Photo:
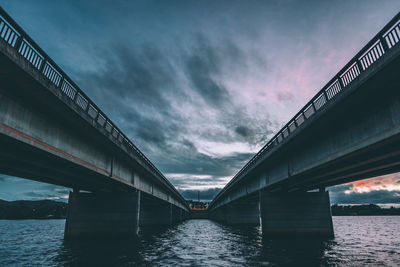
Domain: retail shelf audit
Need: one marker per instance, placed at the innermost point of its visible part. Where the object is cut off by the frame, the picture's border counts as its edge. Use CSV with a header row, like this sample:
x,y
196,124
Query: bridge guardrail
x,y
387,38
17,38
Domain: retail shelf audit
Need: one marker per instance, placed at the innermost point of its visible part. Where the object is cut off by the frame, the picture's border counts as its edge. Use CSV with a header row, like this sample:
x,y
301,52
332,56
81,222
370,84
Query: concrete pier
x,y
302,214
155,212
102,215
176,214
243,212
218,215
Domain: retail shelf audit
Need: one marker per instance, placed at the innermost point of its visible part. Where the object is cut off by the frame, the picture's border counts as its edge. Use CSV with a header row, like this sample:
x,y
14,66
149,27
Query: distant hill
x,y
27,209
50,209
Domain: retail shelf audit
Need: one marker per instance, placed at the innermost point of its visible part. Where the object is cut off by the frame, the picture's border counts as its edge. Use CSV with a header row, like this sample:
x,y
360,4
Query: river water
x,y
359,241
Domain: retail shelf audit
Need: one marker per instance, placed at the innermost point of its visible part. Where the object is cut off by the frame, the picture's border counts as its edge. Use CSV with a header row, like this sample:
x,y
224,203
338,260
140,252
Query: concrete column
x,y
176,214
180,215
289,214
155,212
186,215
243,212
219,214
109,215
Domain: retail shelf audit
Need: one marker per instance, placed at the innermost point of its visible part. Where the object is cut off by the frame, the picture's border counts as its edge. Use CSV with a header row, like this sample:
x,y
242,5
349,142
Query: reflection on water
x,y
358,241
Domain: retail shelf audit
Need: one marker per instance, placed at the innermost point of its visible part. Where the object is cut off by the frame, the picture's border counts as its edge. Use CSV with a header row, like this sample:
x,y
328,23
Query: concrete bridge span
x,y
350,130
51,131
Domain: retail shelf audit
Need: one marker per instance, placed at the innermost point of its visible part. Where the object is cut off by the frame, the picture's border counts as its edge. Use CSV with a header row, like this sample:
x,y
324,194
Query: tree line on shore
x,y
50,209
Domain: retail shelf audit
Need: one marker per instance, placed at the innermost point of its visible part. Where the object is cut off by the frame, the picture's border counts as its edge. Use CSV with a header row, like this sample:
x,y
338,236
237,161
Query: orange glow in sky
x,y
390,182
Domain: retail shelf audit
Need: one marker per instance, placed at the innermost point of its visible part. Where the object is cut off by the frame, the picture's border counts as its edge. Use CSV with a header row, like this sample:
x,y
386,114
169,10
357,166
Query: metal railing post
x,y
18,43
340,82
384,44
61,82
359,65
41,68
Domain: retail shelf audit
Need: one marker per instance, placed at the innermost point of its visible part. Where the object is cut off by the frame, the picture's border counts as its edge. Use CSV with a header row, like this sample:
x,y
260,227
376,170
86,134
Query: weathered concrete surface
x,y
243,212
219,214
177,215
102,215
302,214
154,212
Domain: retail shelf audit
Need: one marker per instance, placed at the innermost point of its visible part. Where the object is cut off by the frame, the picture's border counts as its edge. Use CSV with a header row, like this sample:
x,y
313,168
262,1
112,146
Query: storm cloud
x,y
205,195
344,194
197,86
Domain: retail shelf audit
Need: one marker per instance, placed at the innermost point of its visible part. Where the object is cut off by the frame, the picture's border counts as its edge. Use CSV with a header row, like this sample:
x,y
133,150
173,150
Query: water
x,y
359,241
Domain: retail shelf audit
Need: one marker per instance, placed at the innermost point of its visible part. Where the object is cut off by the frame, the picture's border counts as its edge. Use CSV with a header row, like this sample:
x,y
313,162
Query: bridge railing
x,y
15,37
386,39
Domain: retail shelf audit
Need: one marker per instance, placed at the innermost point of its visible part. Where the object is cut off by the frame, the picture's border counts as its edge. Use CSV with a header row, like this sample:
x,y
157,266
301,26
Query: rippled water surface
x,y
359,241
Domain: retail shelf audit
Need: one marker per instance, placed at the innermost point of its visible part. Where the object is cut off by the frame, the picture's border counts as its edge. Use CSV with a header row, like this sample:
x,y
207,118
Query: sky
x,y
200,86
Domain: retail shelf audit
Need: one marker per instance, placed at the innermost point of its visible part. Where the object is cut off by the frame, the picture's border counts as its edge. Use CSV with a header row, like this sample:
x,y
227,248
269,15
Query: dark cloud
x,y
136,75
243,131
339,196
47,191
191,181
136,86
205,195
202,66
189,145
47,194
203,164
398,182
133,87
175,82
150,132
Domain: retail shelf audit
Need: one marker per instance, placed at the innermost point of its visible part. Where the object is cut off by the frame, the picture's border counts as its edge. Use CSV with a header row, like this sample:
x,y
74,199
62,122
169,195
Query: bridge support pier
x,y
102,215
155,212
243,212
302,214
238,212
176,214
218,214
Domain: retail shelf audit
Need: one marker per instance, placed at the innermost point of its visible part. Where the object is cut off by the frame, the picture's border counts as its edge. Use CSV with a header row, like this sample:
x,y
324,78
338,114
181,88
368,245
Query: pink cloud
x,y
388,182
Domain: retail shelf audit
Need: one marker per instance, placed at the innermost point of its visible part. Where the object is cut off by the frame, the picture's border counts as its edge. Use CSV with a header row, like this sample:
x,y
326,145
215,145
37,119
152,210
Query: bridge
x,y
51,131
350,130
